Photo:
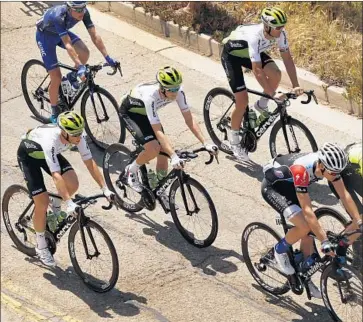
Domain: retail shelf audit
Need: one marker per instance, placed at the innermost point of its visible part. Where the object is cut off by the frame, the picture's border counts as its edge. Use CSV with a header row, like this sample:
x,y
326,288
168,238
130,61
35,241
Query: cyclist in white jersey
x,y
246,47
139,109
41,148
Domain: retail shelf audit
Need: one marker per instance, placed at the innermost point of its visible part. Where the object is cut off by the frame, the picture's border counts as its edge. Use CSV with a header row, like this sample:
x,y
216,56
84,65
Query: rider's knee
x,y
152,148
241,99
41,202
72,183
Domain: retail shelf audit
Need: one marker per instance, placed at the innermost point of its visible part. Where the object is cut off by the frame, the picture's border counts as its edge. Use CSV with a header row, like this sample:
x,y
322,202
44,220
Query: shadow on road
x,y
36,7
252,169
103,304
318,312
210,260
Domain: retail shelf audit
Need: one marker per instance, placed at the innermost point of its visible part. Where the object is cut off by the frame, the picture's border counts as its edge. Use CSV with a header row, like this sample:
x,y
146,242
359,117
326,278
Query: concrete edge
x,y
205,45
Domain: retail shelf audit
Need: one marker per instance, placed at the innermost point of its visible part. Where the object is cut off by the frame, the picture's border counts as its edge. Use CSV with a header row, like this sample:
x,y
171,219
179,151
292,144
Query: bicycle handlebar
x,y
83,200
194,153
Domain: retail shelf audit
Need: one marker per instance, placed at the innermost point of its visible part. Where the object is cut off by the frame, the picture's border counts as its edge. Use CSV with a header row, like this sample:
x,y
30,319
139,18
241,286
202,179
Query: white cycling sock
x,y
235,139
134,166
262,102
41,242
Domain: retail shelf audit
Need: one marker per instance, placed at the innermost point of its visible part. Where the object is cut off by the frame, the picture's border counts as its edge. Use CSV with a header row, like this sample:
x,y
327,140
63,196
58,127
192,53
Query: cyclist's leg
x,y
69,175
79,46
47,46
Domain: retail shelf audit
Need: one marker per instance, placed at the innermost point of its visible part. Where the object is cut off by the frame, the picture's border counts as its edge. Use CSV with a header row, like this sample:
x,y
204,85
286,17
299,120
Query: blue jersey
x,y
57,21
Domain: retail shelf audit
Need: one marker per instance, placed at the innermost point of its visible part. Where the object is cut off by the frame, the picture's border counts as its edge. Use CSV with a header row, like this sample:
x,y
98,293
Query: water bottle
x,y
308,263
262,117
153,179
52,221
298,257
55,204
252,118
66,86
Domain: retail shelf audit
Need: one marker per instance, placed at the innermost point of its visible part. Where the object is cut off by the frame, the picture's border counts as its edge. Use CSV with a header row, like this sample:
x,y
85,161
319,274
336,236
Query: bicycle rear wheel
x,y
218,106
103,123
35,82
115,160
101,252
200,226
259,257
299,138
342,296
15,202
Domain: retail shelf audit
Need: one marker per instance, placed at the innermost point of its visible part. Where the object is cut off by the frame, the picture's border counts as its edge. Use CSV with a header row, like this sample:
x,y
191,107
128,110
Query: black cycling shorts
x,y
233,68
32,172
138,124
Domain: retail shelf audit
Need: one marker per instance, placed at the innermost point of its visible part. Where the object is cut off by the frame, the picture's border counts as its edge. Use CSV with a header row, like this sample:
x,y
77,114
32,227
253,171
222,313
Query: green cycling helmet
x,y
169,77
274,17
71,123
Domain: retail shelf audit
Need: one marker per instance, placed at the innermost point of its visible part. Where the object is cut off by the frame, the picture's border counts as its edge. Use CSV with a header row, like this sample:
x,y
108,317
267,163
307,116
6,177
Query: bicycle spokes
x,y
105,116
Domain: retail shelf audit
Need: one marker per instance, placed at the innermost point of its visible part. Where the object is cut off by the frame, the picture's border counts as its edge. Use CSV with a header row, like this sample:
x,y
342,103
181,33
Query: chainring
x,y
52,244
148,199
249,141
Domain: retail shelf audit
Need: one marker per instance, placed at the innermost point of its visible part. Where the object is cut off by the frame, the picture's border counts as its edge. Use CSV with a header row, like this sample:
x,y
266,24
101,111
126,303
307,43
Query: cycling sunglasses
x,y
278,28
172,90
333,174
79,10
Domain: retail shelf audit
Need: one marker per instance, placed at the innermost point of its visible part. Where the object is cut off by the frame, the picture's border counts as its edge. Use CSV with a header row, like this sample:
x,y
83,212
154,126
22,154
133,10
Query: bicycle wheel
x,y
260,262
218,106
298,135
101,252
115,160
103,123
15,201
200,226
342,297
35,82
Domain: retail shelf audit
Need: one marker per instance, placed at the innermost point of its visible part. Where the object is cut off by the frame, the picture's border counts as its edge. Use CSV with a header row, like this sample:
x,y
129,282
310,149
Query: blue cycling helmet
x,y
77,4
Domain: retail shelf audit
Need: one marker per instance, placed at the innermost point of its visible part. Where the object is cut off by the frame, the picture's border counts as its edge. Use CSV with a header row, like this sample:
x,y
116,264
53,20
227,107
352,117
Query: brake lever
x,y
210,159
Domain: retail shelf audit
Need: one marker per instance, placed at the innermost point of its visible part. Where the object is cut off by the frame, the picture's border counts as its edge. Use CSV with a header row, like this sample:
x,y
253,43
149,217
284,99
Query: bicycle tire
x,y
112,149
214,229
293,122
324,290
101,91
244,244
9,192
206,108
26,95
115,264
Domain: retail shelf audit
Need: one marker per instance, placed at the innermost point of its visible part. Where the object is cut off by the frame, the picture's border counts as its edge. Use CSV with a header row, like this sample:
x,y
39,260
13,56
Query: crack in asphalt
x,y
10,29
11,98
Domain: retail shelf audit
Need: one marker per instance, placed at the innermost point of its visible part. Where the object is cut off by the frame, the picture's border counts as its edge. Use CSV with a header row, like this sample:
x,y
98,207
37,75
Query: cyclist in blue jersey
x,y
53,31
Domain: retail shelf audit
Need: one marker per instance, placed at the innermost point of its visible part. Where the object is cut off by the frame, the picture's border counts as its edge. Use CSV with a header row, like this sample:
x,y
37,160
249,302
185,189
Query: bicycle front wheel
x,y
218,106
342,293
35,83
102,121
198,225
94,259
258,241
298,138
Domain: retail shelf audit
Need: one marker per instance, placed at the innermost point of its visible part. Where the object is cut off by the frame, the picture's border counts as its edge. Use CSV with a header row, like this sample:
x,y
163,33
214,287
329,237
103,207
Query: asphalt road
x,y
162,278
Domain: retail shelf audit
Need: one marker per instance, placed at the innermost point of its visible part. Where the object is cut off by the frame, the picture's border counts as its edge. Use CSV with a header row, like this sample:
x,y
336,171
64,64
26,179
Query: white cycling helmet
x,y
333,157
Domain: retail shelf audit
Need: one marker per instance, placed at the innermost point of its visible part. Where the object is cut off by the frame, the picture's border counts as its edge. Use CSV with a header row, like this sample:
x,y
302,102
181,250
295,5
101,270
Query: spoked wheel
x,y
218,106
258,241
342,293
16,202
103,123
35,82
195,216
298,138
116,158
94,259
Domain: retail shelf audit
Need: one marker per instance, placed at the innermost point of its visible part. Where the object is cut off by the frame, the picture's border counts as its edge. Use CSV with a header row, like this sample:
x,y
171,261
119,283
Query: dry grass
x,y
325,38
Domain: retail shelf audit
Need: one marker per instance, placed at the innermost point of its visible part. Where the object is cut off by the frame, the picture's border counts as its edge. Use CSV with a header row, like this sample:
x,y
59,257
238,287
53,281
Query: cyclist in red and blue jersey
x,y
53,31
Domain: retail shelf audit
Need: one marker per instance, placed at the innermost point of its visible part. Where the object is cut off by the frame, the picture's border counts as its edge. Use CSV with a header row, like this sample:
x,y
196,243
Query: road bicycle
x,y
88,242
340,282
218,123
98,107
188,201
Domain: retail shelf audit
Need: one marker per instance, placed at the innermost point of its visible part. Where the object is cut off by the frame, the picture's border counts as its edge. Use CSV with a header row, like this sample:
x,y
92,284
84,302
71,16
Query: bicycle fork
x,y
182,178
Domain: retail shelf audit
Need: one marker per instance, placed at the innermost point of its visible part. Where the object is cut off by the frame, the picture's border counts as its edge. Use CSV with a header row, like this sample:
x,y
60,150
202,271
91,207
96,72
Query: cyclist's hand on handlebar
x,y
81,73
110,61
71,208
280,97
327,248
176,162
298,90
108,194
211,148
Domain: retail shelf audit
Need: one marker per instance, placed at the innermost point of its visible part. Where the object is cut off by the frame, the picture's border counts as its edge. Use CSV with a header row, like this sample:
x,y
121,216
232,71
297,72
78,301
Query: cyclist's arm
x,y
95,172
305,203
347,200
262,78
60,185
70,49
193,126
290,67
163,139
97,40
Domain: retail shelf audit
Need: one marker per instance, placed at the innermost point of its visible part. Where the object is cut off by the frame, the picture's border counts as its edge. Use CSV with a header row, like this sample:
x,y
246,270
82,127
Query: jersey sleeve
x,y
151,112
253,50
87,20
84,149
181,99
301,178
282,41
51,157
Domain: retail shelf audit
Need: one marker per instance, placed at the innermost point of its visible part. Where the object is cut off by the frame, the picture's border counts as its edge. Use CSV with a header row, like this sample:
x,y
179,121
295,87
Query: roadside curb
x,y
205,45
